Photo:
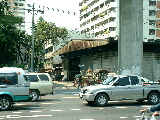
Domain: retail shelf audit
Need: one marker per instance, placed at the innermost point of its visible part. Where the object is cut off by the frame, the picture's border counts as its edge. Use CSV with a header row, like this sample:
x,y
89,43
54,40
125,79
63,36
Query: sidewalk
x,y
63,85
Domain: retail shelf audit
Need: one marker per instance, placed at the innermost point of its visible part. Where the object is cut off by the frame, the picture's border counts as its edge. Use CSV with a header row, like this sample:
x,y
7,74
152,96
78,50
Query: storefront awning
x,y
79,44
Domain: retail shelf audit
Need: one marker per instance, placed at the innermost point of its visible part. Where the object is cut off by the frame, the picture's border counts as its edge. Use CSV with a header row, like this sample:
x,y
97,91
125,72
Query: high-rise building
x,y
99,18
151,20
17,8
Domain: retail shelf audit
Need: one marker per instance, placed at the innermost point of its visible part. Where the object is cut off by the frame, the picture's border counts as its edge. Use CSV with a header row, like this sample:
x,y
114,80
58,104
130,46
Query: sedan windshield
x,y
109,80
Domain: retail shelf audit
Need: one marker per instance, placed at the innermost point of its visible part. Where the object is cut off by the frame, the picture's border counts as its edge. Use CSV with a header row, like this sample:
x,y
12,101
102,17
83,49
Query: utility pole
x,y
32,10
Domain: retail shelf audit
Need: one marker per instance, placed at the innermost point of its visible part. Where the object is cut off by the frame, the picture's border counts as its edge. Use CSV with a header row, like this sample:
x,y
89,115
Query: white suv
x,y
40,85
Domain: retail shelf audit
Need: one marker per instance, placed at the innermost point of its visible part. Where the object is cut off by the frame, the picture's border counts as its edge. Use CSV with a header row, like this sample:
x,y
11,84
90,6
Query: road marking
x,y
56,110
17,112
35,111
48,103
120,107
42,115
12,116
27,116
74,109
21,104
123,117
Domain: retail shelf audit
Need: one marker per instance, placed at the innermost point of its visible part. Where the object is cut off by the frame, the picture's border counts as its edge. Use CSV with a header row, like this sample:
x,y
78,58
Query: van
x,y
13,87
19,71
40,85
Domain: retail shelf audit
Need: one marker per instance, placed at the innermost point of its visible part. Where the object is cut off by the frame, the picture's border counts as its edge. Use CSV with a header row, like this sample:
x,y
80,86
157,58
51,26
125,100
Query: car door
x,y
121,89
46,83
135,89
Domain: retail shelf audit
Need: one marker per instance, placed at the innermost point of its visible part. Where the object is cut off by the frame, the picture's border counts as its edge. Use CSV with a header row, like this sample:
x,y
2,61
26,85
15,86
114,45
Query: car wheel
x,y
34,95
101,100
5,103
153,98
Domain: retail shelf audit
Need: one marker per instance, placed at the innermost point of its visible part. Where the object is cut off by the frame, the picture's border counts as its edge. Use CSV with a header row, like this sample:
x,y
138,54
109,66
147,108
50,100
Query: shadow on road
x,y
25,107
120,104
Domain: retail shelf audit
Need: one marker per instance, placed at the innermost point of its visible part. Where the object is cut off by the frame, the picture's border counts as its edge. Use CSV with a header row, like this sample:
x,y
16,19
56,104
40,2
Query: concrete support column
x,y
130,43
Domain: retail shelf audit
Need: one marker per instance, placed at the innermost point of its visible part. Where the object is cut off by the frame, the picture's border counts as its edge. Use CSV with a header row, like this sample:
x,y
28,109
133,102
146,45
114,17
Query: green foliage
x,y
9,35
46,31
13,39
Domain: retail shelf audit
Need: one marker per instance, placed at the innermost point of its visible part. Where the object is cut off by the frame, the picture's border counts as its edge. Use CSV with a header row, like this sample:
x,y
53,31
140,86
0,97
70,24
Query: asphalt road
x,y
65,104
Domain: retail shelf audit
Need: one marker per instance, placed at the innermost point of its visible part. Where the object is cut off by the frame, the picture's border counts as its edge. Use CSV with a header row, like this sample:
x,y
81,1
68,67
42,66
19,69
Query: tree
x,y
9,35
46,32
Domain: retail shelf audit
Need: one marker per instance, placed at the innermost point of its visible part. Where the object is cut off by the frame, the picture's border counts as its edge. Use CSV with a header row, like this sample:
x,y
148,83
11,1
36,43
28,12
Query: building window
x,y
112,29
151,32
152,22
152,3
152,12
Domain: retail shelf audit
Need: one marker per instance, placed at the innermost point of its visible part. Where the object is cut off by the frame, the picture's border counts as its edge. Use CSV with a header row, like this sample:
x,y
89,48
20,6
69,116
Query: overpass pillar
x,y
130,42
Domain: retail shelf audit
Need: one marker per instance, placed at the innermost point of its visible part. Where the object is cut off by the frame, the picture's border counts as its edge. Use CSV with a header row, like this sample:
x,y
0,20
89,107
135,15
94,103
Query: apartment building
x,y
151,20
99,18
17,8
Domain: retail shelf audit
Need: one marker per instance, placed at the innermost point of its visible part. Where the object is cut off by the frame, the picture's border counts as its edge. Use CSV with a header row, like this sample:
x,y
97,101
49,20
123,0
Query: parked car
x,y
40,85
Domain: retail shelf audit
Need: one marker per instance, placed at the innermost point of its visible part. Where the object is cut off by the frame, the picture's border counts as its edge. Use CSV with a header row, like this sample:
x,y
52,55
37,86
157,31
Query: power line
x,y
57,10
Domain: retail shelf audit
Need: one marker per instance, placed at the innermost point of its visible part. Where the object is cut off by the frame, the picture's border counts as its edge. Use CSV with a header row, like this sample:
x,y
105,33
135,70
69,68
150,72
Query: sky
x,y
60,17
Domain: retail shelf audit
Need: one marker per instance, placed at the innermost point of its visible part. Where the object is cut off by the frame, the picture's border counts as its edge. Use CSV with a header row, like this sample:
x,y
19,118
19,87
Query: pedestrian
x,y
75,80
79,81
153,108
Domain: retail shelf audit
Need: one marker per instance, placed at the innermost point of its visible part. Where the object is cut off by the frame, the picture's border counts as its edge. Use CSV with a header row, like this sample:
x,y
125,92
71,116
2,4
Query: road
x,y
66,105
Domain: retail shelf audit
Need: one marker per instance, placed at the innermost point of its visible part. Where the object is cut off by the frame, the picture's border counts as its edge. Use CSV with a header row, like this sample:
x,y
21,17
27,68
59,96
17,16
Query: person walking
x,y
79,81
75,82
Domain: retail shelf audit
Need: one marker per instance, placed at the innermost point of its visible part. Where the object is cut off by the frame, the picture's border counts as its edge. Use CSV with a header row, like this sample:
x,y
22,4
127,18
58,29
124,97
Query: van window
x,y
43,77
32,78
8,78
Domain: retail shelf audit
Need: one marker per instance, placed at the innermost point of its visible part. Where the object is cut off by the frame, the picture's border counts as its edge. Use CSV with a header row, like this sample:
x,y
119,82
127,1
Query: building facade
x,y
100,18
50,60
151,20
17,8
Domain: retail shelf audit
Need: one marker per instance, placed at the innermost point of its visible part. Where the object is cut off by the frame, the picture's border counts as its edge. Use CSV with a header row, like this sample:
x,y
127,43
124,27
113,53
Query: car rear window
x,y
43,77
